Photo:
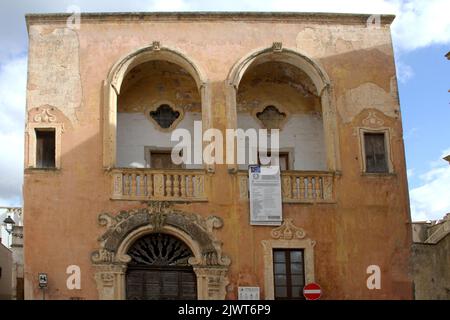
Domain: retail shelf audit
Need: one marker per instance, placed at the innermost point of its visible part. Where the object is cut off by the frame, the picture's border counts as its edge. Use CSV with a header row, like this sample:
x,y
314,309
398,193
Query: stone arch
x,y
309,66
317,75
111,259
148,229
113,83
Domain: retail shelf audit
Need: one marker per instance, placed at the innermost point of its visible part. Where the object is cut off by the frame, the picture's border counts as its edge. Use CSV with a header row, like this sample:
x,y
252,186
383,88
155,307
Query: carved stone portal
x,y
122,230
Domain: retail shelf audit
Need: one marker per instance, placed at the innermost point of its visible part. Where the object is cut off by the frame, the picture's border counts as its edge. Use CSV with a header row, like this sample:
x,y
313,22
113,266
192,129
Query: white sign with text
x,y
265,195
248,293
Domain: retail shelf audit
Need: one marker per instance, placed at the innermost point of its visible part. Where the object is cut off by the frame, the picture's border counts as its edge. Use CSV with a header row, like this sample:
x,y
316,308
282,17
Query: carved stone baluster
x,y
243,187
149,180
176,185
168,182
310,188
328,188
294,187
117,185
141,185
158,185
318,187
302,187
190,189
199,187
183,186
133,185
286,188
126,185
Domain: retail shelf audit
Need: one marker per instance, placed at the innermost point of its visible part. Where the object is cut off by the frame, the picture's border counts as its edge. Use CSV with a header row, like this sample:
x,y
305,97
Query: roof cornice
x,y
281,17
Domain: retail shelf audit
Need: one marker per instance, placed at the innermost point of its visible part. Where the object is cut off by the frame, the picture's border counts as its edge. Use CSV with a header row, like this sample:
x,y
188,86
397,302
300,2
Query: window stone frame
x,y
287,236
262,106
43,118
155,107
374,124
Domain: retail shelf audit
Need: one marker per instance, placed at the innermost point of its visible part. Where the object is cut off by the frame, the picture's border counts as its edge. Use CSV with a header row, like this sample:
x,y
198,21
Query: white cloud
x,y
12,114
411,133
404,71
431,200
12,94
410,173
421,23
11,163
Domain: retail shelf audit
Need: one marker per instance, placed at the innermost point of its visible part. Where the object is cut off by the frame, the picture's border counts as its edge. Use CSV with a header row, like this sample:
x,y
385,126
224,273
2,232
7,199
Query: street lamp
x,y
9,224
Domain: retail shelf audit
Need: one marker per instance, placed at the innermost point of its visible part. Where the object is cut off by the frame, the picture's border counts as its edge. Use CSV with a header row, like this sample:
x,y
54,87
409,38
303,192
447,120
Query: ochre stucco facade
x,y
74,76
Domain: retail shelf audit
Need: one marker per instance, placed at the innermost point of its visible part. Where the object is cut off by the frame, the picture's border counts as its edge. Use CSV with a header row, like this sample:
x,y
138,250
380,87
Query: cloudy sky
x,y
421,35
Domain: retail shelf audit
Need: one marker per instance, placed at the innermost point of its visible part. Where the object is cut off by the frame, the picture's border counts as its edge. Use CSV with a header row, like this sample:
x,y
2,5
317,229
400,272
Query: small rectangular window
x,y
162,159
288,273
283,158
45,148
375,149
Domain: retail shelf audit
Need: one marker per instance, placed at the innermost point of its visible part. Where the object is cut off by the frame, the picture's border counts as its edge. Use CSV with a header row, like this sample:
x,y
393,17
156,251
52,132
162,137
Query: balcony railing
x,y
299,186
155,184
190,185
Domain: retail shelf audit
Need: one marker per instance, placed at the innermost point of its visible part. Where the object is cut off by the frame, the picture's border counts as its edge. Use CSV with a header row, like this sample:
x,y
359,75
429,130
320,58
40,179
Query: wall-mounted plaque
x,y
248,293
265,195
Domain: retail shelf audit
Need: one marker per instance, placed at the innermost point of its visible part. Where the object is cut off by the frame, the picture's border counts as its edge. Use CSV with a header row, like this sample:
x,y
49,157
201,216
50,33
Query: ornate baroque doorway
x,y
159,252
159,269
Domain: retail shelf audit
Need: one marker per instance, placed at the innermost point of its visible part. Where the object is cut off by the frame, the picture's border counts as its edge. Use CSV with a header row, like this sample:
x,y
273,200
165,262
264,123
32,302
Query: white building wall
x,y
302,136
135,132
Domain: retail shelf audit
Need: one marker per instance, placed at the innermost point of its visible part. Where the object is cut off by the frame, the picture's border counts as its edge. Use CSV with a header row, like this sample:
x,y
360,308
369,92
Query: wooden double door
x,y
167,283
159,269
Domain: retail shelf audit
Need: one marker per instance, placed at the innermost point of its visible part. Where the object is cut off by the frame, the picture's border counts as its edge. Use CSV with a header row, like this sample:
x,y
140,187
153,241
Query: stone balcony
x,y
191,185
156,184
299,186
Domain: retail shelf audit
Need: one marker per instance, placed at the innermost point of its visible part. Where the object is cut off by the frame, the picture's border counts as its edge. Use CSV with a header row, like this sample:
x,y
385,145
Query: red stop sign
x,y
312,291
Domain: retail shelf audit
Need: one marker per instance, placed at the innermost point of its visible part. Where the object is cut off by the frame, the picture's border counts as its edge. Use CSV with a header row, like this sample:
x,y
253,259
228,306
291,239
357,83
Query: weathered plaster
x,y
54,70
367,96
332,39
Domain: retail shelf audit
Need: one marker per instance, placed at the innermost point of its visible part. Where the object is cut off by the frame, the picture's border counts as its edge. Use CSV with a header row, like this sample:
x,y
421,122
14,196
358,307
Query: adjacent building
x,y
12,264
17,262
431,259
104,201
5,273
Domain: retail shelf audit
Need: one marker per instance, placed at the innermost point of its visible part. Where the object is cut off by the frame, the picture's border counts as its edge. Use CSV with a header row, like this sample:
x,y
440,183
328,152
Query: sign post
x,y
43,282
312,291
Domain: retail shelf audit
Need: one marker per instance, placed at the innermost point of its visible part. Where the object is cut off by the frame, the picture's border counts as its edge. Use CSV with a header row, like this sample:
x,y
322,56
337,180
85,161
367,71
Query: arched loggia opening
x,y
285,67
157,97
129,70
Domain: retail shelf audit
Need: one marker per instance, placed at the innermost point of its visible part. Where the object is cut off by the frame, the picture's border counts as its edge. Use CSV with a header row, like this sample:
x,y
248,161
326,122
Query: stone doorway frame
x,y
110,261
